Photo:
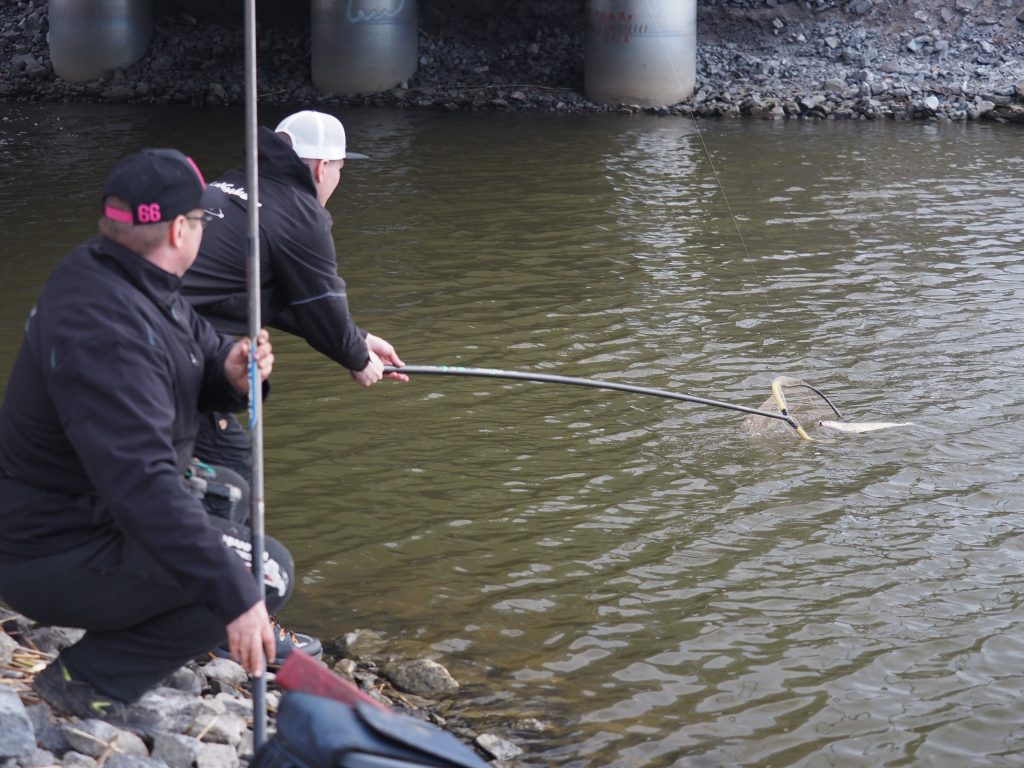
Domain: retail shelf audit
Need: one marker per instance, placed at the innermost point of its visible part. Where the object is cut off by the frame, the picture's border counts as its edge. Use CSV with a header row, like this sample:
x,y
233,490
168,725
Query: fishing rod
x,y
553,378
256,516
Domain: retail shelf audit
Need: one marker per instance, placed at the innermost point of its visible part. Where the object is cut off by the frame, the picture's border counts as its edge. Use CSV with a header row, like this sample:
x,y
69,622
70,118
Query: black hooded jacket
x,y
99,419
300,287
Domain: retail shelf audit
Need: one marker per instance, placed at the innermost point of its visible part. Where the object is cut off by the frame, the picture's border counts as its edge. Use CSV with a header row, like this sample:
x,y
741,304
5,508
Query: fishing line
x,y
790,395
714,171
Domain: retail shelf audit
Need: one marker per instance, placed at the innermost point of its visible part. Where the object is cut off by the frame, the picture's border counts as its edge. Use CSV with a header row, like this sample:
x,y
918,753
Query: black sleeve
x,y
114,400
217,393
316,300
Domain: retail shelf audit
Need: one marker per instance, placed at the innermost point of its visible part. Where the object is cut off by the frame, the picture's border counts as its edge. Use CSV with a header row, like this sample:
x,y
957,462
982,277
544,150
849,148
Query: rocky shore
x,y
772,59
201,716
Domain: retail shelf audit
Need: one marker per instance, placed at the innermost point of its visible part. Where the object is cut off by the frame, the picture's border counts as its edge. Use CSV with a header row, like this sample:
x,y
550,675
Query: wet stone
x,y
423,677
361,644
497,747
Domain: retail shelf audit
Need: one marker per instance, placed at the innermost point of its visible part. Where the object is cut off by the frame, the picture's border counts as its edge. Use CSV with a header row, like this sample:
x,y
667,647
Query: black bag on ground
x,y
316,732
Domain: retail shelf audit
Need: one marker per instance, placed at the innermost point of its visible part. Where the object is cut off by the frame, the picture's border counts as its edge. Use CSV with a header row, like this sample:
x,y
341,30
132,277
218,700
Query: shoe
x,y
286,642
77,698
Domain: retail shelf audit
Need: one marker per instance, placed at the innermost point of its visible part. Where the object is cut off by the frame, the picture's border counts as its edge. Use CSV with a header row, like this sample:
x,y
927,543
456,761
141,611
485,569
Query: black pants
x,y
223,441
140,625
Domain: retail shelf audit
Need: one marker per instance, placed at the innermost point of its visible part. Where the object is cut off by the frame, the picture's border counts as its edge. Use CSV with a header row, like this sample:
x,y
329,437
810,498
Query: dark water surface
x,y
628,581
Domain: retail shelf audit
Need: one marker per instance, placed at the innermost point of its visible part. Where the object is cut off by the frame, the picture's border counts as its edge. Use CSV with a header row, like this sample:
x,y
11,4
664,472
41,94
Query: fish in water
x,y
856,427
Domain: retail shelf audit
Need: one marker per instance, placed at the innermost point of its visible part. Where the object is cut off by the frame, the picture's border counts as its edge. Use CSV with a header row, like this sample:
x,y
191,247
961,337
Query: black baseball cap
x,y
158,184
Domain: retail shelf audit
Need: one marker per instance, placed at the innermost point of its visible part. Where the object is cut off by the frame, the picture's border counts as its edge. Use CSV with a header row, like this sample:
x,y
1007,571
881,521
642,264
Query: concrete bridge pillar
x,y
363,46
640,51
90,38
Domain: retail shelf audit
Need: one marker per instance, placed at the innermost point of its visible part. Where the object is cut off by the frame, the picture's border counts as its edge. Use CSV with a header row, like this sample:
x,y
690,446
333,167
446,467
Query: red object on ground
x,y
301,672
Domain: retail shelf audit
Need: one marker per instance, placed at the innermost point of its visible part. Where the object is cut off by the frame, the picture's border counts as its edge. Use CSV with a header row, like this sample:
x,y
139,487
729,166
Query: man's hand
x,y
250,636
371,374
236,365
381,354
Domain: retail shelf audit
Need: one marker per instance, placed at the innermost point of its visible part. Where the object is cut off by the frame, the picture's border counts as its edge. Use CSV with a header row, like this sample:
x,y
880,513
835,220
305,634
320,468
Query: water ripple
x,y
651,586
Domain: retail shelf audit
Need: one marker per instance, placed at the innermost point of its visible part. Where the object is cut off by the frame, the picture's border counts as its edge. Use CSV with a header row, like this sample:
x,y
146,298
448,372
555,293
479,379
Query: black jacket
x,y
99,419
300,287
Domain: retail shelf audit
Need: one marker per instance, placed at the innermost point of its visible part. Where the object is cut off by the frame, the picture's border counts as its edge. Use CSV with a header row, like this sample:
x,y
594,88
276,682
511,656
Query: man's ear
x,y
318,170
176,231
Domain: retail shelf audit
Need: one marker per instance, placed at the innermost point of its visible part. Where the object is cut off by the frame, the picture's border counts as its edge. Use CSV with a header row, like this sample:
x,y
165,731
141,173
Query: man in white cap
x,y
299,169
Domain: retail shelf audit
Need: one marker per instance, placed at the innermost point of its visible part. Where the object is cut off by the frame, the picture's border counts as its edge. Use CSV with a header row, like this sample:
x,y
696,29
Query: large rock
x,y
226,672
177,750
168,709
17,737
217,756
49,734
361,645
497,747
8,645
422,677
96,737
215,724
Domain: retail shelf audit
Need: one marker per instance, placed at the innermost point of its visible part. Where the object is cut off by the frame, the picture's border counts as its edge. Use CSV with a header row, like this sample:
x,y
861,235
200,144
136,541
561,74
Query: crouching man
x,y
97,527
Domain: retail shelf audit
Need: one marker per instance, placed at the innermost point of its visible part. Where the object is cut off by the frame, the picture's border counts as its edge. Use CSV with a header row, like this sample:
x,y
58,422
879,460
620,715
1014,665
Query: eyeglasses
x,y
203,219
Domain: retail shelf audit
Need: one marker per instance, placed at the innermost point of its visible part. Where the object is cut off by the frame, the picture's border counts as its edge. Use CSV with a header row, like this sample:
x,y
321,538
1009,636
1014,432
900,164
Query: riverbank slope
x,y
862,59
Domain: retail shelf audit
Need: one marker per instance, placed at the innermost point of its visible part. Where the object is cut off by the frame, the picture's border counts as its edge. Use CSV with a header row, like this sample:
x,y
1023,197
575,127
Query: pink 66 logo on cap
x,y
148,213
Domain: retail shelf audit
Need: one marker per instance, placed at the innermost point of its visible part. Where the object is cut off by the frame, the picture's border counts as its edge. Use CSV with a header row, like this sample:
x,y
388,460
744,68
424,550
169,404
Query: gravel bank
x,y
201,716
770,59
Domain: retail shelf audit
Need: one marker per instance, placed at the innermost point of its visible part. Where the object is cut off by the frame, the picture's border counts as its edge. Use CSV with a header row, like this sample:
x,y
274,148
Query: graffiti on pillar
x,y
369,11
615,27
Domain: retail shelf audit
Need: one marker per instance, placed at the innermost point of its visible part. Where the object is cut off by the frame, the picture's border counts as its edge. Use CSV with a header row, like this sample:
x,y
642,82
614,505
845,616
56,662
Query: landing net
x,y
795,398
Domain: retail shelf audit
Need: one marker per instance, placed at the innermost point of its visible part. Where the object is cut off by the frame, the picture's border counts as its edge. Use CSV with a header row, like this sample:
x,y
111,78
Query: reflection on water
x,y
648,585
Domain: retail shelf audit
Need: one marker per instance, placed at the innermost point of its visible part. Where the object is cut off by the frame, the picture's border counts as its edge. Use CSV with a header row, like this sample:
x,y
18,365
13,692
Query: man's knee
x,y
278,565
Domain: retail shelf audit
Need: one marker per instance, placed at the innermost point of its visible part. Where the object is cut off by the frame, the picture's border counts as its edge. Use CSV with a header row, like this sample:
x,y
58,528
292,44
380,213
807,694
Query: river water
x,y
620,580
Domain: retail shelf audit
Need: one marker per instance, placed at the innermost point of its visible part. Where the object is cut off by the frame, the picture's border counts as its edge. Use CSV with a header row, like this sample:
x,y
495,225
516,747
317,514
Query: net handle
x,y
497,373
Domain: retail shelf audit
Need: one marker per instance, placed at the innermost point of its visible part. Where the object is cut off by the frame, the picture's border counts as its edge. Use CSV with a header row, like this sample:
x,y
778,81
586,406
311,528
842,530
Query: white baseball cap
x,y
315,135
